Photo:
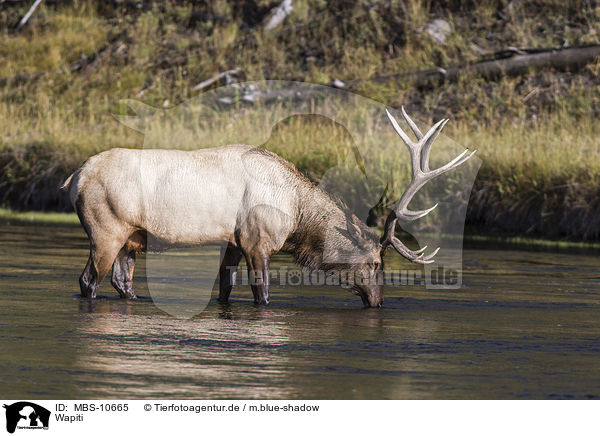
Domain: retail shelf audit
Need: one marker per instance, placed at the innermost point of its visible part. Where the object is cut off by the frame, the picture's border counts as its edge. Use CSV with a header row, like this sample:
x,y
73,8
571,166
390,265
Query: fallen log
x,y
561,59
93,58
225,74
20,78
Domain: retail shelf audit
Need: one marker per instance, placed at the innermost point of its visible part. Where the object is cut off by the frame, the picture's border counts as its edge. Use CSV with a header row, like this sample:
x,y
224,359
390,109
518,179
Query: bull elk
x,y
191,198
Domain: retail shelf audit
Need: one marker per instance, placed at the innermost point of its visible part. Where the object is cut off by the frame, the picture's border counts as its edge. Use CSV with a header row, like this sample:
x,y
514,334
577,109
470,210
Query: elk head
x,y
372,292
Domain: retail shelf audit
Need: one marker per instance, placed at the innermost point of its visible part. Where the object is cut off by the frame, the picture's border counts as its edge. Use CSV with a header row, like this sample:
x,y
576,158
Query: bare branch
x,y
28,14
278,14
208,82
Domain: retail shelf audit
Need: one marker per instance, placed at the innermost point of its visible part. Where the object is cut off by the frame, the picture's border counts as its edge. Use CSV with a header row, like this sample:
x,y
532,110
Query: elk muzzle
x,y
372,297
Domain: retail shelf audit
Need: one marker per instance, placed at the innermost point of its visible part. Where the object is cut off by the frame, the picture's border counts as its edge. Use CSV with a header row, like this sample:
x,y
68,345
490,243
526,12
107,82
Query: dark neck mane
x,y
307,242
317,215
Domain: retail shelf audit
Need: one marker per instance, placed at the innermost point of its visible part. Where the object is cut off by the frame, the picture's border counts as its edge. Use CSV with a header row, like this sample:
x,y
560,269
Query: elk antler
x,y
421,174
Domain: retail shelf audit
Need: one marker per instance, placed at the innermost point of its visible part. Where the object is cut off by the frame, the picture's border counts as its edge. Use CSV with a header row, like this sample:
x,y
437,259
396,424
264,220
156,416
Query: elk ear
x,y
383,247
388,230
383,242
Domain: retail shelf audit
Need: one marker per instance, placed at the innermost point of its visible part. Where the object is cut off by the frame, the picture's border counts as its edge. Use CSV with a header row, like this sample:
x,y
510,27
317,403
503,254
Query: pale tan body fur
x,y
250,198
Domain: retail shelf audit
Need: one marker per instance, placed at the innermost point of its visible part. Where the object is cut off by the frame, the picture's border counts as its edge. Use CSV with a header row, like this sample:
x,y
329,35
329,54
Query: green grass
x,y
519,242
38,218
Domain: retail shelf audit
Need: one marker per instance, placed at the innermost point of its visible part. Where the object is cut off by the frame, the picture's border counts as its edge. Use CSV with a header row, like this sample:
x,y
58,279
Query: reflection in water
x,y
162,355
523,326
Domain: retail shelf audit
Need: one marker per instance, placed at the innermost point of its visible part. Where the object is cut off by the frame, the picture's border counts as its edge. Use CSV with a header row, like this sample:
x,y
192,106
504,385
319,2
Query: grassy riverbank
x,y
536,133
8,216
471,240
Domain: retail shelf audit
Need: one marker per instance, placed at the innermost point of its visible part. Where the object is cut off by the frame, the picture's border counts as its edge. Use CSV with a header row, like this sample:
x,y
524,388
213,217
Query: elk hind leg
x,y
98,265
88,281
122,273
104,248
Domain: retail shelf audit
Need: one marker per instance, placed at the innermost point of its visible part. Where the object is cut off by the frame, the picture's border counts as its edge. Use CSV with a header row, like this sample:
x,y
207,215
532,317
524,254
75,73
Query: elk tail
x,y
67,185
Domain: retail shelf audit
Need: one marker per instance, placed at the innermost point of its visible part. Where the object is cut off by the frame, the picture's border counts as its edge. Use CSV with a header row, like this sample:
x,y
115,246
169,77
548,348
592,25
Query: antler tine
x,y
400,132
412,124
457,161
404,251
414,256
422,249
427,141
423,260
428,257
412,215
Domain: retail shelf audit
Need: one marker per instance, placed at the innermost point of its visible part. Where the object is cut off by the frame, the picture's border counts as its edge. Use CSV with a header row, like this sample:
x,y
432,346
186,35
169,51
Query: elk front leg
x,y
228,271
122,274
258,275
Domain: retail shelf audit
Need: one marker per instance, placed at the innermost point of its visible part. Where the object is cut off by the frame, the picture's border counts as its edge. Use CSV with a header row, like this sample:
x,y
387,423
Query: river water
x,y
524,325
